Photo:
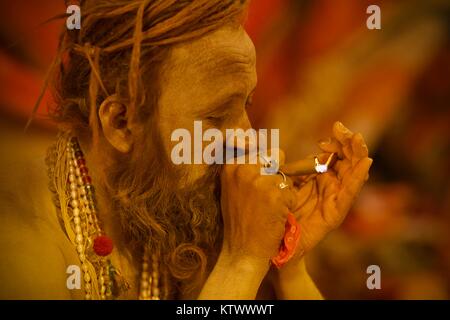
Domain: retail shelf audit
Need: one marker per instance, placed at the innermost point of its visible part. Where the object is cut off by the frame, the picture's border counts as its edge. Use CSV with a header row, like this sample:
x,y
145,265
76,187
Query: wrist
x,y
293,282
293,269
234,277
244,264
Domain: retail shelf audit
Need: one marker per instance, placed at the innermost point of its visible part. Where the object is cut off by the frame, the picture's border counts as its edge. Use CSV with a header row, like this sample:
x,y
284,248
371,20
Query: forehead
x,y
223,60
221,48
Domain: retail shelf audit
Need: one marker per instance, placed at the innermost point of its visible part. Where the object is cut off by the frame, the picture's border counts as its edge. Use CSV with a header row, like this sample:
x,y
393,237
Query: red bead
x,y
84,170
80,162
78,154
87,179
103,246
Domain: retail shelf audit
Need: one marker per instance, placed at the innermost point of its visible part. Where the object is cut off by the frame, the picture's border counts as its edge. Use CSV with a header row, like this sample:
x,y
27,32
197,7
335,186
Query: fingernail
x,y
325,141
343,128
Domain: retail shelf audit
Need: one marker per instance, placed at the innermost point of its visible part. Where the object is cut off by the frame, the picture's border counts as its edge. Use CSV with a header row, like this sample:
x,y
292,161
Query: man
x,y
134,73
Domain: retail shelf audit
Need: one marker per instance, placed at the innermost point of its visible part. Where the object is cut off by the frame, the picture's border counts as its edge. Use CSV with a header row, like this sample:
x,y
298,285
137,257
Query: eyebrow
x,y
221,104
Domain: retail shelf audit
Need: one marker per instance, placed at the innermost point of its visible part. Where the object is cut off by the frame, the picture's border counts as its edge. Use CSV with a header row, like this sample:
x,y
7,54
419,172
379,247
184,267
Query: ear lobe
x,y
115,126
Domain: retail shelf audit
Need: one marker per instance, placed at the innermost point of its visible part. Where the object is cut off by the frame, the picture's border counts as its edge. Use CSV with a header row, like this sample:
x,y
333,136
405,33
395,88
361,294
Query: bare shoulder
x,y
32,264
33,260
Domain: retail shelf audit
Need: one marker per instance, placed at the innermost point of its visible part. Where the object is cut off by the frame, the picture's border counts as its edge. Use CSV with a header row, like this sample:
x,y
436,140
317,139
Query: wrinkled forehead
x,y
223,53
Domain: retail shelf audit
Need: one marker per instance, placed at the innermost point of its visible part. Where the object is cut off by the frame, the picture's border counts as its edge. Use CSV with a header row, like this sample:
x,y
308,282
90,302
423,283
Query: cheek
x,y
239,120
165,129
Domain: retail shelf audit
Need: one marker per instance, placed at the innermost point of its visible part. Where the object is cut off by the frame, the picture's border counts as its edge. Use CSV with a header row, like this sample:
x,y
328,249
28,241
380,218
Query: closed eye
x,y
249,101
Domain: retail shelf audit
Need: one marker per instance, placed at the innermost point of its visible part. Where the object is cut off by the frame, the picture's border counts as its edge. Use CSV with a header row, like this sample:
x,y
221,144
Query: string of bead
x,y
149,284
86,228
84,218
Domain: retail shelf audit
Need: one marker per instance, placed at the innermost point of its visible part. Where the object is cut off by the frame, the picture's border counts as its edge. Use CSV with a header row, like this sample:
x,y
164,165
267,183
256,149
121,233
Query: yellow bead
x,y
74,203
144,284
79,239
76,213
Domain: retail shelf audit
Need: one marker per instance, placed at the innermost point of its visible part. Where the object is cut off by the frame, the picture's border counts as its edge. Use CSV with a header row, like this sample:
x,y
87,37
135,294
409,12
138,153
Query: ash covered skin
x,y
211,79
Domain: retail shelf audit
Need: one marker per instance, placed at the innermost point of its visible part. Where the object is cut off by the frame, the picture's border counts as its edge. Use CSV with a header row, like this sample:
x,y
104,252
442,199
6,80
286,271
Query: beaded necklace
x,y
74,196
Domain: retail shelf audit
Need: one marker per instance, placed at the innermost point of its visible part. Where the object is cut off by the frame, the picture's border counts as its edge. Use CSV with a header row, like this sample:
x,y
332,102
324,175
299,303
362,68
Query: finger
x,y
359,147
290,199
289,193
352,184
331,145
342,167
304,193
282,181
341,133
331,188
347,150
278,185
325,180
299,181
308,207
331,214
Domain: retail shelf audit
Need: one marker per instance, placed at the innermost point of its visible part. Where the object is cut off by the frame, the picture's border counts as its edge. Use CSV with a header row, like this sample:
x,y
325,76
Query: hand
x,y
325,199
254,210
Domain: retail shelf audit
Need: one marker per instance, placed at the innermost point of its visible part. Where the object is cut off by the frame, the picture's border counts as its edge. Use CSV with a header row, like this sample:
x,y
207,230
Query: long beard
x,y
188,214
182,225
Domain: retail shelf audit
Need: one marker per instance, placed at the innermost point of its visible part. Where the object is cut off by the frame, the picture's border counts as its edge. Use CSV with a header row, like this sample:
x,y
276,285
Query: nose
x,y
244,122
242,140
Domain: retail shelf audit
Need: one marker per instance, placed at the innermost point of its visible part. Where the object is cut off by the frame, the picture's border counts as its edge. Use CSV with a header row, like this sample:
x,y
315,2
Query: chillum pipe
x,y
308,166
299,167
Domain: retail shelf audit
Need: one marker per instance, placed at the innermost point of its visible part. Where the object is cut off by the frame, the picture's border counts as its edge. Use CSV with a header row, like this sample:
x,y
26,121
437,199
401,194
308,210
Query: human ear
x,y
115,124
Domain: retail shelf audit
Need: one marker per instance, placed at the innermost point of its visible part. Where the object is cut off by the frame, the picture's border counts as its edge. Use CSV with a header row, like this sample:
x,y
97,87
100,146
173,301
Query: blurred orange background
x,y
318,63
